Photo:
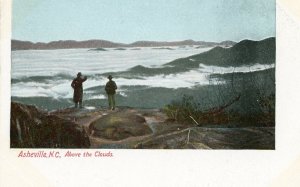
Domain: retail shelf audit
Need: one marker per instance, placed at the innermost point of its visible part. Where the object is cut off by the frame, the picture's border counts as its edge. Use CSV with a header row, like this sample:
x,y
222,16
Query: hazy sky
x,y
131,20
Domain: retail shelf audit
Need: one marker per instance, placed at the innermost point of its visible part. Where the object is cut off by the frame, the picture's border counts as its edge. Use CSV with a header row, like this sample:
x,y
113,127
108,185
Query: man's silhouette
x,y
110,89
78,90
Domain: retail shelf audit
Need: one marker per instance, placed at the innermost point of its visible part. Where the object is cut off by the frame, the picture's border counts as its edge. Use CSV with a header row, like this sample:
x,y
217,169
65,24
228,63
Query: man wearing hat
x,y
110,89
78,90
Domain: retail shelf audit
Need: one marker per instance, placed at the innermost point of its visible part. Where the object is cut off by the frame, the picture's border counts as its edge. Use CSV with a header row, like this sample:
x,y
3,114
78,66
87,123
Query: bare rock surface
x,y
128,128
214,138
120,125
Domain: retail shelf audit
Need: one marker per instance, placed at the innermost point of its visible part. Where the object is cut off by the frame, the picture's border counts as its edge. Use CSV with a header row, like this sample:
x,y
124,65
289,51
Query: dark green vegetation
x,y
189,111
247,99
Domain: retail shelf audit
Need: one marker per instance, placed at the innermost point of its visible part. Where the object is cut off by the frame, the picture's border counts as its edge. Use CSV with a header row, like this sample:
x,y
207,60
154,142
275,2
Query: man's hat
x,y
79,74
109,77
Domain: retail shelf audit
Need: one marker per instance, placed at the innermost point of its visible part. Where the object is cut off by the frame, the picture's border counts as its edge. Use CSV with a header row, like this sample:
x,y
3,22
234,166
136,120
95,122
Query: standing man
x,y
110,89
78,90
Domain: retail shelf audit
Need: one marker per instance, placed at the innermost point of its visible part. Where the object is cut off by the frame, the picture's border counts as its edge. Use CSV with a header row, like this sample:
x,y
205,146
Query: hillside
x,y
246,52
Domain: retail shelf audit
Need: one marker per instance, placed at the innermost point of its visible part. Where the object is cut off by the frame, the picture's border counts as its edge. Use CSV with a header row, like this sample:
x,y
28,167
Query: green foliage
x,y
184,110
189,111
267,105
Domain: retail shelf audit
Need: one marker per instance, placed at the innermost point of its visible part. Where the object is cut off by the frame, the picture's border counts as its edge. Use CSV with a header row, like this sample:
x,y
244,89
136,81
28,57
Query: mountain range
x,y
70,44
244,53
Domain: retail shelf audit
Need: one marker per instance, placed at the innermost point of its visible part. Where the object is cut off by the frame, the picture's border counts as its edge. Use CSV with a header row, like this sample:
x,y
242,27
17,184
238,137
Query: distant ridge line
x,y
72,44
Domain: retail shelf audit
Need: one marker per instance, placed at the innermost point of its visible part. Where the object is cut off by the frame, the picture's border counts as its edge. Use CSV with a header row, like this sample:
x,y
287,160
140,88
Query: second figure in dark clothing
x,y
110,89
78,90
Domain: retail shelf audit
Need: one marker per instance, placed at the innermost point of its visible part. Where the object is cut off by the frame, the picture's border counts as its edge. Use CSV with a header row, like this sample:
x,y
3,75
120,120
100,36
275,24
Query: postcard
x,y
92,80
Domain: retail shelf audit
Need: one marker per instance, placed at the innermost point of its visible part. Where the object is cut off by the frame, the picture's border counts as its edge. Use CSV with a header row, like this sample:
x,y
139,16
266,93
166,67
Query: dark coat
x,y
111,87
78,91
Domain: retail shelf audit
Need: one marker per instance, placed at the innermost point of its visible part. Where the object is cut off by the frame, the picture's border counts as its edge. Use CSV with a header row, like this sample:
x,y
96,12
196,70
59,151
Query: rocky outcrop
x,y
32,128
126,128
120,125
213,138
118,130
